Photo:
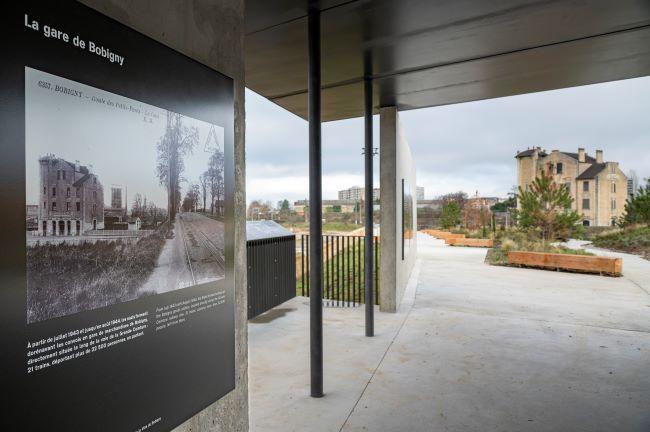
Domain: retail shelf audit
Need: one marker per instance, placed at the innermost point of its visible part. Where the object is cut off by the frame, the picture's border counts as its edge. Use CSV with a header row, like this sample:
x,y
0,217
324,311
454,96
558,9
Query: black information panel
x,y
117,296
407,218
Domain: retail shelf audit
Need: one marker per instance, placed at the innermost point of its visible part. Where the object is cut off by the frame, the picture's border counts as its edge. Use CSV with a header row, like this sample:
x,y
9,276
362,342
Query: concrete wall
x,y
211,32
395,164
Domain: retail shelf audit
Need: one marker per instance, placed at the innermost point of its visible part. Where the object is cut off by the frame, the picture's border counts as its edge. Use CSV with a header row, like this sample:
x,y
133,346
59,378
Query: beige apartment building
x,y
598,188
357,193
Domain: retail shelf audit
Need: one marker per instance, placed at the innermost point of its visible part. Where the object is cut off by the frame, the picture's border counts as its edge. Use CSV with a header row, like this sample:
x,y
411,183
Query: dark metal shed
x,y
271,257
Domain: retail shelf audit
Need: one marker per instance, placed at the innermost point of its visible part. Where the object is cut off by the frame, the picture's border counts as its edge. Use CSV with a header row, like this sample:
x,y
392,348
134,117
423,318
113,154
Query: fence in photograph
x,y
118,233
343,269
271,273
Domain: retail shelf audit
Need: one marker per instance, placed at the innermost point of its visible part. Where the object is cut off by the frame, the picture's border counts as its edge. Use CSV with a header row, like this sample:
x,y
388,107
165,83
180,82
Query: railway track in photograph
x,y
216,253
203,243
186,250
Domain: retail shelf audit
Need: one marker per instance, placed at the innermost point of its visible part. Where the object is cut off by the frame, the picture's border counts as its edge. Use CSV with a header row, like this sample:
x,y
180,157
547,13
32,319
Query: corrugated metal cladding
x,y
271,269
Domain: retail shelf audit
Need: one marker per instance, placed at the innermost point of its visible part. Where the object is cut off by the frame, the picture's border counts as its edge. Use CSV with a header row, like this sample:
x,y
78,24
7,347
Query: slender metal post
x,y
315,205
368,264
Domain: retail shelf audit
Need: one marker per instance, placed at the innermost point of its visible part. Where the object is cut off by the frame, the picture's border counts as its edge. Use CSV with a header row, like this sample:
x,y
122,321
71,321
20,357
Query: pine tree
x,y
637,208
450,216
546,206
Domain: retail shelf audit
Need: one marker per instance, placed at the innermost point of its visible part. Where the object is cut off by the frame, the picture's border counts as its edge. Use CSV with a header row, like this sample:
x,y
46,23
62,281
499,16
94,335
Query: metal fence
x,y
343,269
271,273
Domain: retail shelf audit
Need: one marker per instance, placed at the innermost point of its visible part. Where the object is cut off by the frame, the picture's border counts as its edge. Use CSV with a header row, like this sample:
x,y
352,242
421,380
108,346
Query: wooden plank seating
x,y
459,239
470,242
444,235
581,263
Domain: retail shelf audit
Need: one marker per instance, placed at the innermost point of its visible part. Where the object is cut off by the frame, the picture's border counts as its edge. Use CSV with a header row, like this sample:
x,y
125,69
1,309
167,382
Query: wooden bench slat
x,y
592,264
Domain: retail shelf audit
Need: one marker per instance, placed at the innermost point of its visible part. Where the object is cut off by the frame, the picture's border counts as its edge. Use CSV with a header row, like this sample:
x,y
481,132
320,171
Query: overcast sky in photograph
x,y
118,143
468,147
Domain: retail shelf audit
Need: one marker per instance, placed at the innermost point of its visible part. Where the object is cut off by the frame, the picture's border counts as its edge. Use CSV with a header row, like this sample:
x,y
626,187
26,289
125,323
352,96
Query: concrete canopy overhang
x,y
426,53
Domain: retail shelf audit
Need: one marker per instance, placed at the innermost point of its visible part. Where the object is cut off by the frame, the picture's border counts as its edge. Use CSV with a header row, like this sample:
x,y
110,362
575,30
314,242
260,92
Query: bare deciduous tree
x,y
215,182
177,142
204,182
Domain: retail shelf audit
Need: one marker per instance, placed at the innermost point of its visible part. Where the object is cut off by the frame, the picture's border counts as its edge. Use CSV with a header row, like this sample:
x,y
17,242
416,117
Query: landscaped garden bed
x,y
459,239
567,262
634,240
470,242
519,248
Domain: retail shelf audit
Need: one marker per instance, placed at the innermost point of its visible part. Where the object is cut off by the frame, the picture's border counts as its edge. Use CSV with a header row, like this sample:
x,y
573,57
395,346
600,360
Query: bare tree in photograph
x,y
216,181
195,193
137,209
177,142
204,181
192,198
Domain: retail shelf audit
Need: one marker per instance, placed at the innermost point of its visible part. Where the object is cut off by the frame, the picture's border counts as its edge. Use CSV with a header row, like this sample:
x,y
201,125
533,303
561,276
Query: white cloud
x,y
466,147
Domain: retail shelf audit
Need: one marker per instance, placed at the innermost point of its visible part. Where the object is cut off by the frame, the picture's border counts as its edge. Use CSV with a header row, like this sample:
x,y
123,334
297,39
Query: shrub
x,y
526,241
66,278
450,215
634,239
637,208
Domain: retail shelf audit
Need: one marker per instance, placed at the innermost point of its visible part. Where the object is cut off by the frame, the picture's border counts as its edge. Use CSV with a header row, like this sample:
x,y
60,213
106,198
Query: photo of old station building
x,y
72,198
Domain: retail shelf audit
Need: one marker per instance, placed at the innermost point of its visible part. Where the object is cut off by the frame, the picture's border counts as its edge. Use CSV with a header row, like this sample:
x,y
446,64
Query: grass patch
x,y
344,276
635,240
483,233
65,278
331,227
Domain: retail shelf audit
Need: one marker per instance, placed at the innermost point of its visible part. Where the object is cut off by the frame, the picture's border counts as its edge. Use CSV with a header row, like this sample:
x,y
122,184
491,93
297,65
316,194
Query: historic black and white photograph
x,y
123,199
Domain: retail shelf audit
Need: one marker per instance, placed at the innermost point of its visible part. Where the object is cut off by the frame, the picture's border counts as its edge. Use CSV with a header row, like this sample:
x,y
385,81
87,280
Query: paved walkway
x,y
472,348
635,268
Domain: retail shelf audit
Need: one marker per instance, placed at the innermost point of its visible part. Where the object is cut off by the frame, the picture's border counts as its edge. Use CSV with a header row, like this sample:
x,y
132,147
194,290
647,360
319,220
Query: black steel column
x,y
315,205
368,264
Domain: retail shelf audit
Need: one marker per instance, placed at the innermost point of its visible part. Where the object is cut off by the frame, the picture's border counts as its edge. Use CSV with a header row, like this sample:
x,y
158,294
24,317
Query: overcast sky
x,y
467,147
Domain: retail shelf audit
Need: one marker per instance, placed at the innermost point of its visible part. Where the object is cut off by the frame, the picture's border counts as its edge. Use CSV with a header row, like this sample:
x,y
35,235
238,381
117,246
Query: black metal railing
x,y
343,269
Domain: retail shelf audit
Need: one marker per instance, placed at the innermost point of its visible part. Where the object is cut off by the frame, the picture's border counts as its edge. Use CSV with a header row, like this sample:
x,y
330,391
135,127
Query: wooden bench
x,y
471,242
582,263
444,235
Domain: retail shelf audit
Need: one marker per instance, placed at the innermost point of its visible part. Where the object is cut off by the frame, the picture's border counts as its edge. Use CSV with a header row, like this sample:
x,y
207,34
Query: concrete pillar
x,y
395,165
388,211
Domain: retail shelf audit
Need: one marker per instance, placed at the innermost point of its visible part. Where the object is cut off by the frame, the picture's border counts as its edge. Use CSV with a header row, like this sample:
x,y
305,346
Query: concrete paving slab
x,y
474,348
279,365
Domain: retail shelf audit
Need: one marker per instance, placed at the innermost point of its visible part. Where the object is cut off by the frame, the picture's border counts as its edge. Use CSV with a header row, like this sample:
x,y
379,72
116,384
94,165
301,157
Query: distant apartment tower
x,y
632,184
71,198
357,193
599,189
116,197
419,193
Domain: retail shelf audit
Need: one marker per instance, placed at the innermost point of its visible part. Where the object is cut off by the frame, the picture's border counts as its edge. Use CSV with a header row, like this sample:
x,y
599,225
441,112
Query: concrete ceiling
x,y
435,52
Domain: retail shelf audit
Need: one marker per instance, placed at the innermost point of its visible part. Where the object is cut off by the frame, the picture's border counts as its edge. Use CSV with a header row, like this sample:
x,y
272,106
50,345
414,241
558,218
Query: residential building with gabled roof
x,y
598,188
